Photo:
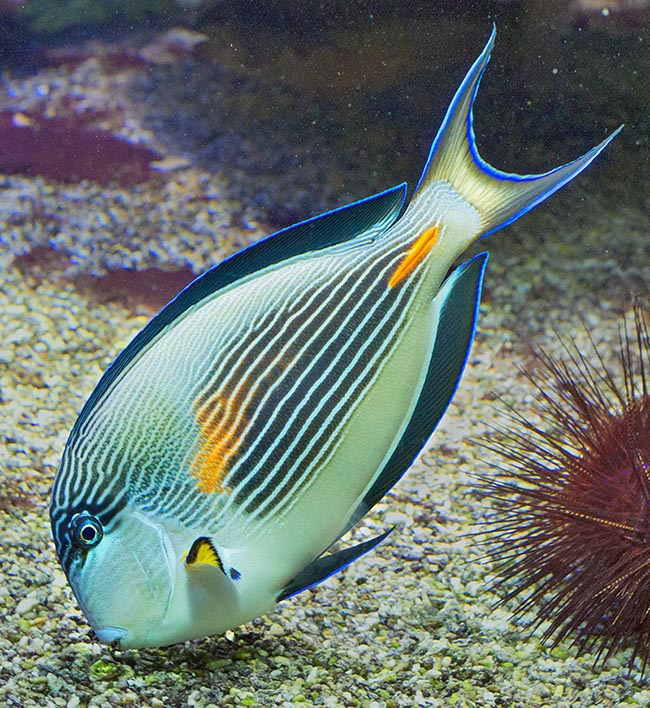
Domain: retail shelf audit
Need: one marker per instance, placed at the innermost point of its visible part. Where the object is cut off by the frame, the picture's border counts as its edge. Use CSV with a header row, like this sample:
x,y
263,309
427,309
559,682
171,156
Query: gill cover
x,y
124,583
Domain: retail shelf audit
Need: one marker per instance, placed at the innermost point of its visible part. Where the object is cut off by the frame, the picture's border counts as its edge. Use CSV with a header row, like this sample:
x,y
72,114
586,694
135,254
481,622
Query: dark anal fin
x,y
325,566
460,299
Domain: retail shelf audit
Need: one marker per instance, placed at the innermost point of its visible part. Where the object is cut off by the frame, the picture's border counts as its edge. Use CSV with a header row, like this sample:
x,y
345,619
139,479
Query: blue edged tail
x,y
498,197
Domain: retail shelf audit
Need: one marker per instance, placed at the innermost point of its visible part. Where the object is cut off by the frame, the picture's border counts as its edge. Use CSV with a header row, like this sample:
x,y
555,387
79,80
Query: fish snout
x,y
111,635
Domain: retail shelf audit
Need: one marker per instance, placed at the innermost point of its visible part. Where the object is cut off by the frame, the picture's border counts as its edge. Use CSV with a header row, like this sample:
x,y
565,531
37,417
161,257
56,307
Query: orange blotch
x,y
220,439
416,254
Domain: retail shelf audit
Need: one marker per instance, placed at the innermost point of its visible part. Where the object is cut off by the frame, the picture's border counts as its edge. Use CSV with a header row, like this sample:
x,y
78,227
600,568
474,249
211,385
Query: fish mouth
x,y
111,635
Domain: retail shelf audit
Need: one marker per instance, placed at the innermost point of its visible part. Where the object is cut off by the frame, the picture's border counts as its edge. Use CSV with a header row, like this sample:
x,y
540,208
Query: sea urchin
x,y
571,535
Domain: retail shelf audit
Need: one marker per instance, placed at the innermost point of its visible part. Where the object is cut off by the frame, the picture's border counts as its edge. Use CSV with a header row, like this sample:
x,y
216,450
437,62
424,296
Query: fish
x,y
277,398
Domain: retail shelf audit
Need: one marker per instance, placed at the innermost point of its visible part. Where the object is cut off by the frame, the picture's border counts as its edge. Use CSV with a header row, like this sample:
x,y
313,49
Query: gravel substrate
x,y
412,623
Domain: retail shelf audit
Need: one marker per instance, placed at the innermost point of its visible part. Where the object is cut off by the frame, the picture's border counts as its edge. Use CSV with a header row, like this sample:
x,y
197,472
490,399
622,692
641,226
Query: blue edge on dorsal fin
x,y
454,337
373,214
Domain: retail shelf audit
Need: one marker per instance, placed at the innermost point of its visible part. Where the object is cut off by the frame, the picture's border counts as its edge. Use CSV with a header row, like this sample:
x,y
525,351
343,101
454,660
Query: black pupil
x,y
88,533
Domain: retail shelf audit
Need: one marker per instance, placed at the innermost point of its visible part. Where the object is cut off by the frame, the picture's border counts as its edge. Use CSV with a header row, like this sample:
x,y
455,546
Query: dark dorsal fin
x,y
461,297
373,214
326,565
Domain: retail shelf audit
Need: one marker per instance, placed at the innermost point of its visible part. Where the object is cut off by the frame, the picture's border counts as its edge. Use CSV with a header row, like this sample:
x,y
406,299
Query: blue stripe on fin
x,y
327,565
461,297
499,197
333,227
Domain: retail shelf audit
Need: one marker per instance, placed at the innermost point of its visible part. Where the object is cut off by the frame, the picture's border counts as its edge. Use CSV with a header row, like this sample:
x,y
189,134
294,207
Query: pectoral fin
x,y
326,565
203,553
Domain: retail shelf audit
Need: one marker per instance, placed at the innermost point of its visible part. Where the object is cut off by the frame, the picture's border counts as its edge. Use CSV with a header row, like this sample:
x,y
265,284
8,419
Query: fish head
x,y
134,581
121,569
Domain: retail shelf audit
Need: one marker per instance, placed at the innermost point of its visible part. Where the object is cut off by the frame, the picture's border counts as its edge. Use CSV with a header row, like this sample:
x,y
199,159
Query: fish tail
x,y
496,198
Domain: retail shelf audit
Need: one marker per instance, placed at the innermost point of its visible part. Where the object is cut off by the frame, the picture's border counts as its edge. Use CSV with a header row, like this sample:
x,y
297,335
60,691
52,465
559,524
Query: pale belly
x,y
321,512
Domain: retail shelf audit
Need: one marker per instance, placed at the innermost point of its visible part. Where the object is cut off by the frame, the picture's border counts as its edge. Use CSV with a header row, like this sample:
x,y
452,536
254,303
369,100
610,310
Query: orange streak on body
x,y
416,254
219,440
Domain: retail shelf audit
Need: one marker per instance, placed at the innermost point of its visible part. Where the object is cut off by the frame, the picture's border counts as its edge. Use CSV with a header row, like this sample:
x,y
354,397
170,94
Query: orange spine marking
x,y
219,441
416,254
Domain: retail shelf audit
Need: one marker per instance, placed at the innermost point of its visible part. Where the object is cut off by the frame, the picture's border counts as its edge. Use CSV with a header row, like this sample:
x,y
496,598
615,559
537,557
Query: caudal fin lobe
x,y
498,197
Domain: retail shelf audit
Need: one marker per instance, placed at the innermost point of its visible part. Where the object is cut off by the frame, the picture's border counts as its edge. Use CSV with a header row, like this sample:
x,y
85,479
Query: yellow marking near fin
x,y
203,552
219,440
416,254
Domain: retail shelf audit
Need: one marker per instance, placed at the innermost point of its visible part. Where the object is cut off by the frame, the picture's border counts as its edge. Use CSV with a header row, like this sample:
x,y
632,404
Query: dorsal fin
x,y
460,296
327,565
371,215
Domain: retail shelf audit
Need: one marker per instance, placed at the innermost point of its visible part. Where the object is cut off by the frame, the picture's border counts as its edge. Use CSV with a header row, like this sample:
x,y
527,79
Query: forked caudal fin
x,y
498,197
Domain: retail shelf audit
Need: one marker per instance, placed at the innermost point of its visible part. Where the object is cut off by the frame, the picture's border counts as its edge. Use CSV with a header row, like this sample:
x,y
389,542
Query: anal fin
x,y
459,300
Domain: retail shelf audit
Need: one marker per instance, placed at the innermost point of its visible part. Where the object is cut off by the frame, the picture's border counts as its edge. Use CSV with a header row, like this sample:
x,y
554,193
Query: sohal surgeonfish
x,y
277,398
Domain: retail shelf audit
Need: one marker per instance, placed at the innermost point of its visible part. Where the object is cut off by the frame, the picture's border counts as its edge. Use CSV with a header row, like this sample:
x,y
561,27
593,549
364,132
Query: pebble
x,y
27,604
395,518
276,630
171,163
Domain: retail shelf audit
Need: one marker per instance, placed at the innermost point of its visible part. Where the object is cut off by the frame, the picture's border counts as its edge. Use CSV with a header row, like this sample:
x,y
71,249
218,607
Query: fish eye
x,y
86,531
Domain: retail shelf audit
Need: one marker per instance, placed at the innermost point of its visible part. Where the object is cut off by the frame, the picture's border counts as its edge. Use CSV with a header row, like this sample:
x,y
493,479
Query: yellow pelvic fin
x,y
219,440
204,553
416,254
